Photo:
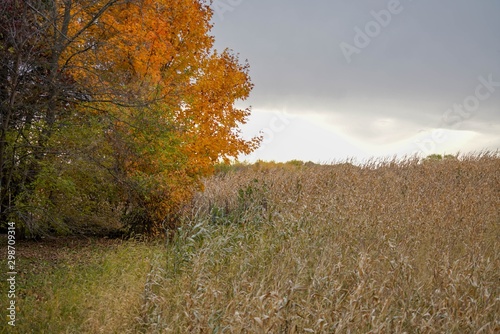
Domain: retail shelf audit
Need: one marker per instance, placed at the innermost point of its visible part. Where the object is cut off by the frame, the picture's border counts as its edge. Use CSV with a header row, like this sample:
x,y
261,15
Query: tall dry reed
x,y
390,246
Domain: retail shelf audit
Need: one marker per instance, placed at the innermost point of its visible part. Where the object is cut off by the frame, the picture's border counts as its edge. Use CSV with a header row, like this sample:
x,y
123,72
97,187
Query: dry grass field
x,y
401,246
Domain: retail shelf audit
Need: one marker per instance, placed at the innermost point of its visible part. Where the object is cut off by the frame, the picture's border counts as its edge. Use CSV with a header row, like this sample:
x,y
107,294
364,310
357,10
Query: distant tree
x,y
434,157
439,157
297,163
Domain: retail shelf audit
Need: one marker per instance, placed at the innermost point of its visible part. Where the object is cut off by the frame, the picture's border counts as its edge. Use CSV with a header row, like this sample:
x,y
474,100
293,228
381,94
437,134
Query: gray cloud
x,y
428,58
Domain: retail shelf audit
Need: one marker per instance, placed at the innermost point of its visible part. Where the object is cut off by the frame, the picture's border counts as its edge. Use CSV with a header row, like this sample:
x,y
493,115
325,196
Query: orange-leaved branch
x,y
172,102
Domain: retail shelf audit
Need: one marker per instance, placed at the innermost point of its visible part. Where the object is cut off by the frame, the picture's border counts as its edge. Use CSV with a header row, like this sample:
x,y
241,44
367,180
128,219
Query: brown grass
x,y
388,247
392,246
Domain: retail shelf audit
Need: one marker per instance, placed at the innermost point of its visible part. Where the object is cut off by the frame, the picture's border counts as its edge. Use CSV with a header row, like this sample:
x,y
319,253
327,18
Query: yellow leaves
x,y
169,95
153,33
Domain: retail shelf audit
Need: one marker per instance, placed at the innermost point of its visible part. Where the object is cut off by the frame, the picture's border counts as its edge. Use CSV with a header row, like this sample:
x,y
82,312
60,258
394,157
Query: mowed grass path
x,y
390,247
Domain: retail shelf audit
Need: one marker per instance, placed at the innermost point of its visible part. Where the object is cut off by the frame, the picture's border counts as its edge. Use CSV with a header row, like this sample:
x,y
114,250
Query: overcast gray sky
x,y
337,78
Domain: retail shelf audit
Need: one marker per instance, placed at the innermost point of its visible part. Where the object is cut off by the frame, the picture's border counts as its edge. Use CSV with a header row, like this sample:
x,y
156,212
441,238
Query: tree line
x,y
112,112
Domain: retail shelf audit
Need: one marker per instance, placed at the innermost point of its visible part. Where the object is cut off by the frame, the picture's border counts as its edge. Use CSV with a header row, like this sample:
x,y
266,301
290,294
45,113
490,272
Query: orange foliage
x,y
157,59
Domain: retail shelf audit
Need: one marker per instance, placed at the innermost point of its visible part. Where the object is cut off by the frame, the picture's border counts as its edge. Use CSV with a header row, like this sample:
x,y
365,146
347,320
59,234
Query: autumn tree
x,y
134,107
36,93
